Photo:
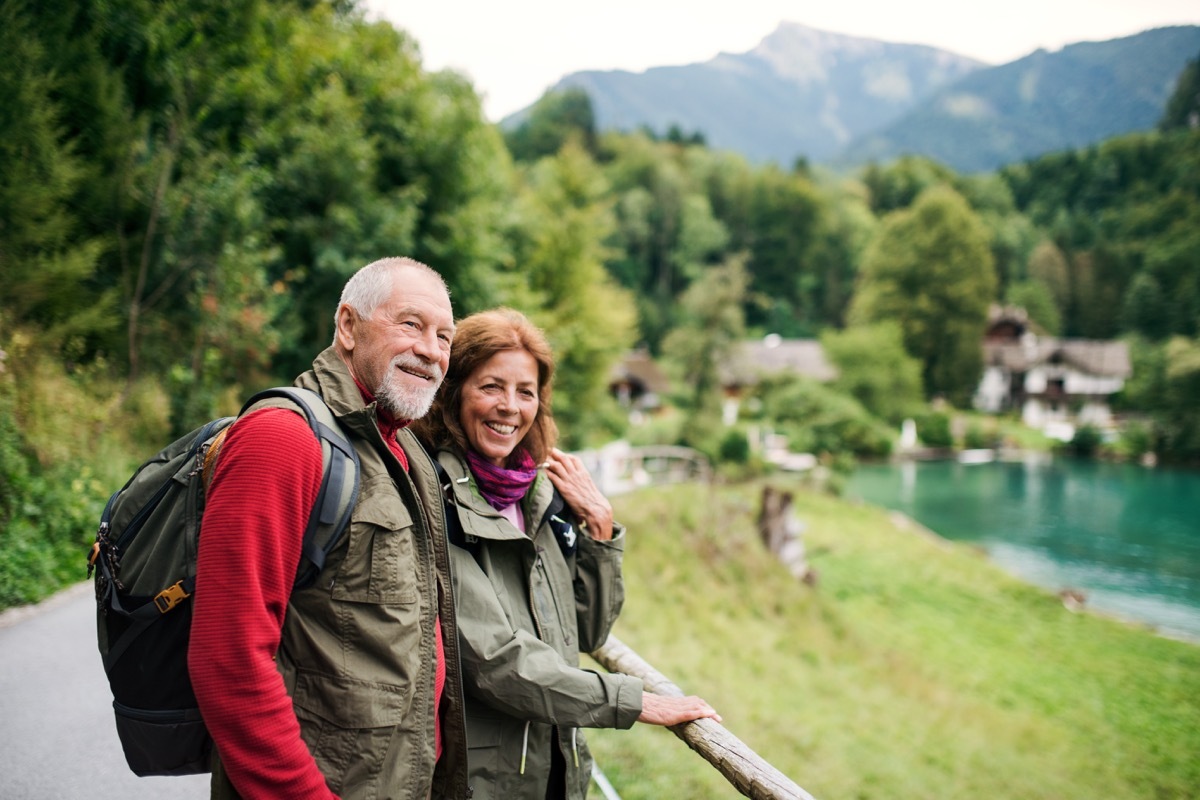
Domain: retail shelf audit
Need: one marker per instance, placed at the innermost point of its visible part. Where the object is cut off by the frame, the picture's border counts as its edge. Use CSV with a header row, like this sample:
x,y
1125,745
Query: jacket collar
x,y
483,521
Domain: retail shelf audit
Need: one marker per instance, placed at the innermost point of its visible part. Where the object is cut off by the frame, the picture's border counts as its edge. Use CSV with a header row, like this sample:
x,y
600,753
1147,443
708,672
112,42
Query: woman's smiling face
x,y
499,404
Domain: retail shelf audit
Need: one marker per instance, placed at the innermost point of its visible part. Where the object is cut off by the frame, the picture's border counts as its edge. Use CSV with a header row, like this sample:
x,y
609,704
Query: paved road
x,y
57,736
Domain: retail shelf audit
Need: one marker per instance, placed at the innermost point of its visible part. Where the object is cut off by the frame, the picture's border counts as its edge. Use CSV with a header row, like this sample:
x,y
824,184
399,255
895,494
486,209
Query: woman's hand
x,y
659,710
575,484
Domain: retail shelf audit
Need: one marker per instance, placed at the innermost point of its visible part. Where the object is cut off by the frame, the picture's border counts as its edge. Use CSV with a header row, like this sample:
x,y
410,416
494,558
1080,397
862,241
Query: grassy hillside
x,y
914,669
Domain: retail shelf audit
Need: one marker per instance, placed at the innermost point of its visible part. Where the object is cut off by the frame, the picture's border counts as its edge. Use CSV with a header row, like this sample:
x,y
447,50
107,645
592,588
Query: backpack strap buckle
x,y
170,597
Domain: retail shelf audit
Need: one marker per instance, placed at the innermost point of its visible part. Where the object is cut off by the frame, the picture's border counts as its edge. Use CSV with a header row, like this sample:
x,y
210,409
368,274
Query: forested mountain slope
x,y
1045,102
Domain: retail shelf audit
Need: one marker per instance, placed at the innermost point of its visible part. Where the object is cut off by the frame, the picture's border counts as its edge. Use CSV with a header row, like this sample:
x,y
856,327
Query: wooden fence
x,y
618,467
741,766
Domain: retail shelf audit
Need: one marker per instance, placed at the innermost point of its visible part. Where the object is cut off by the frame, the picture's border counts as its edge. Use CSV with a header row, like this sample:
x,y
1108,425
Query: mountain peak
x,y
805,54
831,97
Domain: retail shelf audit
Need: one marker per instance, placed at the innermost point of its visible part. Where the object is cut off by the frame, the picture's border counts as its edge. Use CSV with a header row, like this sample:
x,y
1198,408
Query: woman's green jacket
x,y
526,606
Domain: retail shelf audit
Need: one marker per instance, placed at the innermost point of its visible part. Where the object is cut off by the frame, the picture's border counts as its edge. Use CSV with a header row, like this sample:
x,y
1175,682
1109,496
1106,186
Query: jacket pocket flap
x,y
483,731
493,528
381,508
350,704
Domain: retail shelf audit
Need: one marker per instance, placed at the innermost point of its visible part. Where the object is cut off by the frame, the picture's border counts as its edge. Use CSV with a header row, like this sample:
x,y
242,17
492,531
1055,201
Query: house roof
x,y
639,369
773,354
1093,356
1009,323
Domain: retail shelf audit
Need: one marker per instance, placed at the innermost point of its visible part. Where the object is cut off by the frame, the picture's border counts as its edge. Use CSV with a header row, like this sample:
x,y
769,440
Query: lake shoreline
x,y
907,524
1121,534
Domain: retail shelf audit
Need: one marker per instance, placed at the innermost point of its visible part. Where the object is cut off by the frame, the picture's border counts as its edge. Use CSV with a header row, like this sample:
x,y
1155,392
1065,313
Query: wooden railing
x,y
618,468
741,766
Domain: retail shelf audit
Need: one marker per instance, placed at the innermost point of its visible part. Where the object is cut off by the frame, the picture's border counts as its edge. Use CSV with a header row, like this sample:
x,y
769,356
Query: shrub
x,y
43,545
818,419
1137,439
1087,441
47,518
734,447
933,428
979,436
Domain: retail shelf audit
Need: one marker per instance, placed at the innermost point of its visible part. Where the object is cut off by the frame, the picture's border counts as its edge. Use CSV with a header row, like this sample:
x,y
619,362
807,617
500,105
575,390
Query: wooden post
x,y
741,766
771,518
782,533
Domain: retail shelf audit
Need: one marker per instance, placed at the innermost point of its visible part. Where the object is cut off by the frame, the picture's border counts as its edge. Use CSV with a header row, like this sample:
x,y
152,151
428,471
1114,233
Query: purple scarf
x,y
499,486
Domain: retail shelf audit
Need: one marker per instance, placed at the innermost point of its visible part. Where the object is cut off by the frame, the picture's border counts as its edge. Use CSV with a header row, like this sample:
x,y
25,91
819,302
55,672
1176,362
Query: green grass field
x,y
913,669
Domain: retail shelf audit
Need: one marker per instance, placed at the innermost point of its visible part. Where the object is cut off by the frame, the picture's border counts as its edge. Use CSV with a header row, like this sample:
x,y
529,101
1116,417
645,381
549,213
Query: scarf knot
x,y
502,487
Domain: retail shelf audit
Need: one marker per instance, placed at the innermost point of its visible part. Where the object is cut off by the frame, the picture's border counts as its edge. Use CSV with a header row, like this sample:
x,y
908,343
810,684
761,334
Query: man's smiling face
x,y
402,350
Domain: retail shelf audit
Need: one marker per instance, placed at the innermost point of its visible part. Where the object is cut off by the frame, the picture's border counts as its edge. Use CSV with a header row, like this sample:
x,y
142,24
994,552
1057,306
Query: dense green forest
x,y
185,186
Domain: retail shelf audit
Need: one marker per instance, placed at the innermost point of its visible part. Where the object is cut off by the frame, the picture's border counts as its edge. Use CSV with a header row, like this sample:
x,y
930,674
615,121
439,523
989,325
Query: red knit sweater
x,y
254,520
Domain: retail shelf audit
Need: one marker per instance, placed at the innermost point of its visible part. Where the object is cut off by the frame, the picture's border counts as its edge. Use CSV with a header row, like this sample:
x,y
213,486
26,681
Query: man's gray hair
x,y
372,285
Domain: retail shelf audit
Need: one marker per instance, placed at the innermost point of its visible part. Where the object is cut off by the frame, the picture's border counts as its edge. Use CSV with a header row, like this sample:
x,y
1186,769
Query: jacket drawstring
x,y
524,746
575,745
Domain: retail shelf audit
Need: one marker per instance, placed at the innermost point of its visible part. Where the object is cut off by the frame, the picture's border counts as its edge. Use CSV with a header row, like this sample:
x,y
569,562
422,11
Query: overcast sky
x,y
513,51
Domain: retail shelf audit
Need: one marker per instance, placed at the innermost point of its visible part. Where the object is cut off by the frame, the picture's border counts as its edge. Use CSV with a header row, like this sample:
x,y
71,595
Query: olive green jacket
x,y
527,606
357,648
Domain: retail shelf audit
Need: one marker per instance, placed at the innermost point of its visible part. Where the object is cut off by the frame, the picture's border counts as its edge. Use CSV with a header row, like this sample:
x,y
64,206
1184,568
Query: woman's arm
x,y
599,590
515,672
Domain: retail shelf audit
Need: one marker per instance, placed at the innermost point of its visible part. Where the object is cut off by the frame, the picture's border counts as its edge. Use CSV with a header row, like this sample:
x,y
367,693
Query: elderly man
x,y
349,687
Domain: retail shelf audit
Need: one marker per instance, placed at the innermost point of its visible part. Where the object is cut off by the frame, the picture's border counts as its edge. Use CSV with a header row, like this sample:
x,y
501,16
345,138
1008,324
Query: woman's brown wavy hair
x,y
476,339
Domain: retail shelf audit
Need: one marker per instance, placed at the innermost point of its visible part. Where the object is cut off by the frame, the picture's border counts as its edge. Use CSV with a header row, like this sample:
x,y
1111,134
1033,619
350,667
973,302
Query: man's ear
x,y
347,320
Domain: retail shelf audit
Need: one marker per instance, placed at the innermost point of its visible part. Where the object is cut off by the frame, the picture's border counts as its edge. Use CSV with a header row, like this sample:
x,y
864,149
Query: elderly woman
x,y
537,570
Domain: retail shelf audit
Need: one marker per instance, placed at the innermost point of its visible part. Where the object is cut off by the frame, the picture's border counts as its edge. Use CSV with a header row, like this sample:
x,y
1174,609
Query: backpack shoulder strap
x,y
563,523
339,480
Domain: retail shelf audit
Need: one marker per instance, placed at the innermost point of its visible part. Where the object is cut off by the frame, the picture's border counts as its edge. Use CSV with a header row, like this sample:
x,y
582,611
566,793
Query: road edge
x,y
18,614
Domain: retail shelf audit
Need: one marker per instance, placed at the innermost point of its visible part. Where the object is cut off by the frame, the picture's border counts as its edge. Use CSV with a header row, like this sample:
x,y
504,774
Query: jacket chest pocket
x,y
381,562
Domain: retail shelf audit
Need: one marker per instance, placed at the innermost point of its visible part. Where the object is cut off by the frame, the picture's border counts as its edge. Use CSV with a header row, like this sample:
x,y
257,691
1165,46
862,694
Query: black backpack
x,y
145,570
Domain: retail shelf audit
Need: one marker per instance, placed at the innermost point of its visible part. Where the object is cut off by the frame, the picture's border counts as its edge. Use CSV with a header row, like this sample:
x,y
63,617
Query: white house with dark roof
x,y
751,359
1051,380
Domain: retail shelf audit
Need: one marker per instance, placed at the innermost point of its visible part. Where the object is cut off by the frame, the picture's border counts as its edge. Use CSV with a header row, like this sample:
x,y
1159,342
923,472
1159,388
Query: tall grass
x,y
913,669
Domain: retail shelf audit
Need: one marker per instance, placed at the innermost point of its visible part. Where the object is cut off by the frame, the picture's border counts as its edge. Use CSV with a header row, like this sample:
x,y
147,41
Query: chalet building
x,y
1052,381
771,355
637,383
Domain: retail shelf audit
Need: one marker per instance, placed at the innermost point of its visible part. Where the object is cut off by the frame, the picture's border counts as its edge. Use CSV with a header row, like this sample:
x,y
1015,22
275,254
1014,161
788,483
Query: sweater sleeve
x,y
265,483
519,674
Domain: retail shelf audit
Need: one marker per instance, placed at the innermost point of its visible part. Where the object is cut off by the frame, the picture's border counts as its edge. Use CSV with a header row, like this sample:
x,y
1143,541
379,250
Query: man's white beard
x,y
403,400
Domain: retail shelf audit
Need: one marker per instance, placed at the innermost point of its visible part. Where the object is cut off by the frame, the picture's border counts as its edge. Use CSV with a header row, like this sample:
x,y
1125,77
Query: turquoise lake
x,y
1126,535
